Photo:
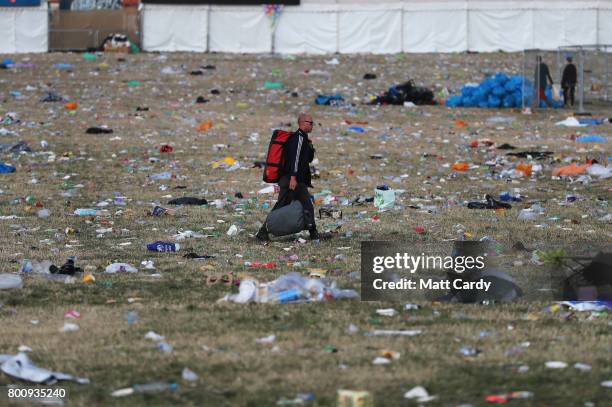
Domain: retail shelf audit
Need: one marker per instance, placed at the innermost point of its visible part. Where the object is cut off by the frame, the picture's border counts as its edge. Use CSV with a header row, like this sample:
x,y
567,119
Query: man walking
x,y
568,82
295,175
543,78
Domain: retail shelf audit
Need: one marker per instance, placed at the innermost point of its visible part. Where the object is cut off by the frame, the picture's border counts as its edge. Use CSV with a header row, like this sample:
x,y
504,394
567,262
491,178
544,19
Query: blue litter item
x,y
454,101
393,91
160,246
8,61
356,129
591,122
468,90
63,66
592,138
494,101
85,212
505,197
499,91
5,168
327,99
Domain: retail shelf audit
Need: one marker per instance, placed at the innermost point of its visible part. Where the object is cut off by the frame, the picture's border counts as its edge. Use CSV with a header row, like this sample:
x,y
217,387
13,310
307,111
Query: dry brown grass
x,y
238,371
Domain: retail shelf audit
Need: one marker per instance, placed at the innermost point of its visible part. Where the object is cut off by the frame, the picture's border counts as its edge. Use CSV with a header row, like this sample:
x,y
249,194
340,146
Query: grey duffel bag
x,y
286,220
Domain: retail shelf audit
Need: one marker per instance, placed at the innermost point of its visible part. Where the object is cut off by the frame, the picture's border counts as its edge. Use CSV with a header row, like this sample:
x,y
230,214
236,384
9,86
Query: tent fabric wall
x,y
419,37
388,26
309,33
375,32
24,29
172,28
604,34
240,31
494,30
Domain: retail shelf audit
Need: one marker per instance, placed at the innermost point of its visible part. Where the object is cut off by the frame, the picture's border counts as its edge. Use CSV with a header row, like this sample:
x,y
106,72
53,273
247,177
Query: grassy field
x,y
314,351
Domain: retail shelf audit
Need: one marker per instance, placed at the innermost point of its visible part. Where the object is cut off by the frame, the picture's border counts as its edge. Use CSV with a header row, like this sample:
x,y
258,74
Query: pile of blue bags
x,y
499,91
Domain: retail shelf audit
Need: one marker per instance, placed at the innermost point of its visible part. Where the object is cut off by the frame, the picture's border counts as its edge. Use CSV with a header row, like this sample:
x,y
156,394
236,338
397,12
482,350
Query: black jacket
x,y
299,153
570,76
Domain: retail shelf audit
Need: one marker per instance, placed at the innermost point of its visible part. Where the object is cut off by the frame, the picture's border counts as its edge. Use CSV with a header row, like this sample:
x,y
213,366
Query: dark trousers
x,y
568,94
286,196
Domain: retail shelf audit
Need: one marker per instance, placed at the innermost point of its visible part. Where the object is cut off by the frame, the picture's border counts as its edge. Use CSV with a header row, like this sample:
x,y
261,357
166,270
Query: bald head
x,y
305,122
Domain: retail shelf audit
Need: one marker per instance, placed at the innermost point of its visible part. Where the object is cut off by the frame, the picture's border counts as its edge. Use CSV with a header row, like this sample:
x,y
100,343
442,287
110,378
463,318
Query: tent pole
x,y
467,25
523,81
581,81
208,29
606,76
337,27
402,31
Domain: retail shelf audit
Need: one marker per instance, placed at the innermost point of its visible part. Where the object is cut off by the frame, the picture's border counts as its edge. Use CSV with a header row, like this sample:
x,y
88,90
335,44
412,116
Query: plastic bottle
x,y
131,317
282,297
153,387
145,388
165,347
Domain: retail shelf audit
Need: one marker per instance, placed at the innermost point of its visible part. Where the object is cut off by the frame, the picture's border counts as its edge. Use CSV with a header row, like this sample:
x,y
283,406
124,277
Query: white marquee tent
x,y
24,29
384,26
348,26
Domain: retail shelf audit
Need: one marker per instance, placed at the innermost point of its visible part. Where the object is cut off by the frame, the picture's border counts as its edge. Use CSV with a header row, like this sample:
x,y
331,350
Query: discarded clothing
x,y
187,200
52,97
67,268
538,155
99,130
16,148
192,255
490,204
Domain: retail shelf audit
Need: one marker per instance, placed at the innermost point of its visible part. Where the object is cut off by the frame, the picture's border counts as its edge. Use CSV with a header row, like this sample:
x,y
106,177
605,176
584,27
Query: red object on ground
x,y
166,149
460,166
420,230
497,398
257,264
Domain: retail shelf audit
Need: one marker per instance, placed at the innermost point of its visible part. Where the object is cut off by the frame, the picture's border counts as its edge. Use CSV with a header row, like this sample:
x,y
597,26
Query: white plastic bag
x,y
556,91
384,199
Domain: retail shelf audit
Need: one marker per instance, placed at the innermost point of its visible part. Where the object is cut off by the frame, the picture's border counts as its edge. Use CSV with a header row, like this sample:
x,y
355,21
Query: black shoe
x,y
314,235
263,234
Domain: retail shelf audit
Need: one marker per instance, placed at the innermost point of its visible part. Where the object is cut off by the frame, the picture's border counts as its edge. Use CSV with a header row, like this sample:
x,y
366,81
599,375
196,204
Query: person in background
x,y
543,78
568,82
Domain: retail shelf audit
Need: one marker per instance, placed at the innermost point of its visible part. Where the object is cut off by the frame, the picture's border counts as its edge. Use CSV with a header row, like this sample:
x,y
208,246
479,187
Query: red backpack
x,y
275,157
